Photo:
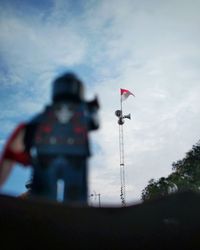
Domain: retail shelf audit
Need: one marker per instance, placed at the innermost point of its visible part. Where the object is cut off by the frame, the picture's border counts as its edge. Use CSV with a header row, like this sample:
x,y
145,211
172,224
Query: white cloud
x,y
154,52
31,46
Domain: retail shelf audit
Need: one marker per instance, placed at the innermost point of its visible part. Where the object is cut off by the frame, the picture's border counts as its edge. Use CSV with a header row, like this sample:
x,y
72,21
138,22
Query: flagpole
x,y
122,165
121,119
121,104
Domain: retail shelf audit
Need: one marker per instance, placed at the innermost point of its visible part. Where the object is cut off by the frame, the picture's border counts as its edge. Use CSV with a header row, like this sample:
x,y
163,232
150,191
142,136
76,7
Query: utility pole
x,y
95,195
99,196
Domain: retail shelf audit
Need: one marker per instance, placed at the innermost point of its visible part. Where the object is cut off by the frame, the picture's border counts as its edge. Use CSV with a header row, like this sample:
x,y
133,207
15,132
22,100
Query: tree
x,y
185,176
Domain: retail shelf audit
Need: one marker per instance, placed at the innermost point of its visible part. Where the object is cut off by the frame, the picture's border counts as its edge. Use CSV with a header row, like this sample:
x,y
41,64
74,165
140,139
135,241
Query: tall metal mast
x,y
121,117
122,166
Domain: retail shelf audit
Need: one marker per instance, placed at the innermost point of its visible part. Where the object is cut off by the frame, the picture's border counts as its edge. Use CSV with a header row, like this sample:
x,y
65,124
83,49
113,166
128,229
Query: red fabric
x,y
20,157
124,91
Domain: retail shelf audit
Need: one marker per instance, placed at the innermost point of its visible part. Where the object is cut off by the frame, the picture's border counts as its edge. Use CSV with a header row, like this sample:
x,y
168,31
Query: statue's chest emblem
x,y
64,114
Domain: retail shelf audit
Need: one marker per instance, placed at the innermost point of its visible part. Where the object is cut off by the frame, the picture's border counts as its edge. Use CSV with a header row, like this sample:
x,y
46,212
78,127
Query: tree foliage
x,y
185,176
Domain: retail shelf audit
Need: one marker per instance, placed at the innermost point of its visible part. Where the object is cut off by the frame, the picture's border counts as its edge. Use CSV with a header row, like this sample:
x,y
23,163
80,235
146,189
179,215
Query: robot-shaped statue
x,y
55,142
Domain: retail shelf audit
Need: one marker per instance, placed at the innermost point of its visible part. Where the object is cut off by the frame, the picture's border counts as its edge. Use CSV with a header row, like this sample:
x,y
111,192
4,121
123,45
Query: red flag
x,y
125,94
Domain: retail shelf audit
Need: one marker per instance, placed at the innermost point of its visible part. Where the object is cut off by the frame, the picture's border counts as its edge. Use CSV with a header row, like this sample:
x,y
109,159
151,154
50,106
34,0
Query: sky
x,y
149,47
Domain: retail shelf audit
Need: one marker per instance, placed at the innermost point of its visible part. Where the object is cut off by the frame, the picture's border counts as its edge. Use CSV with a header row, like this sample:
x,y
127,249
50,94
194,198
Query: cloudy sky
x,y
150,47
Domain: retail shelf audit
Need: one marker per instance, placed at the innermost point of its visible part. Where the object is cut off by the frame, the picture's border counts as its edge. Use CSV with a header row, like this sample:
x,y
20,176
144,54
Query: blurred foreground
x,y
170,222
